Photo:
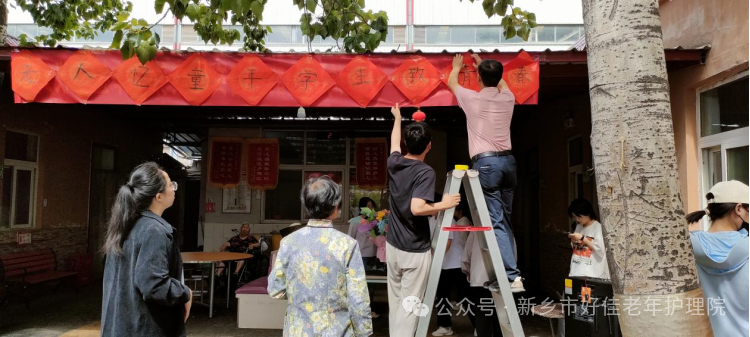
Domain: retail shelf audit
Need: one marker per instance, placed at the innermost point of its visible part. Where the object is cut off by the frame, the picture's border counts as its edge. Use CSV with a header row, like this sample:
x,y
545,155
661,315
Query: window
x,y
544,33
438,35
567,33
463,35
291,146
479,35
389,36
283,202
279,35
305,154
19,176
106,36
396,35
325,148
488,35
29,30
722,108
723,128
297,36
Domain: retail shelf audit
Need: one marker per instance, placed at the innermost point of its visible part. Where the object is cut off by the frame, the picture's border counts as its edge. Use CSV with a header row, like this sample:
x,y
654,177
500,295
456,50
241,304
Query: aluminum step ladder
x,y
505,305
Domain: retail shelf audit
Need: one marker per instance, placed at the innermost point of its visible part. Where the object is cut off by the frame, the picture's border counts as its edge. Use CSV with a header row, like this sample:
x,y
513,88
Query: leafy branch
x,y
361,30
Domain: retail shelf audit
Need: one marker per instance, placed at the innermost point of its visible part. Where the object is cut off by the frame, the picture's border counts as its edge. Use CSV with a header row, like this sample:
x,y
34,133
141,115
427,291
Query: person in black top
x,y
412,185
240,243
144,294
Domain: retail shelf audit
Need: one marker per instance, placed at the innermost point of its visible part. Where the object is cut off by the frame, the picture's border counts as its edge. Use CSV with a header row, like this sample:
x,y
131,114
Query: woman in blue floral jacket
x,y
319,271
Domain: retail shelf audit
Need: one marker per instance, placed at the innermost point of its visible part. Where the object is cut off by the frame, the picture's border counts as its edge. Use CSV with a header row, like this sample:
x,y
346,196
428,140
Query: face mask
x,y
743,225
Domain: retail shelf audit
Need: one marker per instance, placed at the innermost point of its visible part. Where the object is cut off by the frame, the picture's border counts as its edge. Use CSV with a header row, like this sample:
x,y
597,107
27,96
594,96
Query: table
x,y
213,258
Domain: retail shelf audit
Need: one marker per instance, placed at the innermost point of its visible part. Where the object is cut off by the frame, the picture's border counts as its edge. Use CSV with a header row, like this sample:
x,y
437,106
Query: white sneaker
x,y
441,331
475,332
517,286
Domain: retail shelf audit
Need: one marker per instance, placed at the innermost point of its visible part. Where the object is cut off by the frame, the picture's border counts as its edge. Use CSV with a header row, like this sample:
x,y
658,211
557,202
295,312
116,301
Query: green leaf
x,y
523,32
126,50
192,12
488,6
532,19
516,11
120,25
268,28
310,4
510,32
143,53
123,16
143,22
24,42
237,6
159,6
226,5
257,8
157,38
500,8
116,40
246,6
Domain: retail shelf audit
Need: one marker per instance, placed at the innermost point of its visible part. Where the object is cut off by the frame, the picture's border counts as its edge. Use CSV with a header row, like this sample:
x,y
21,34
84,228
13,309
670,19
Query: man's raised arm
x,y
458,62
396,133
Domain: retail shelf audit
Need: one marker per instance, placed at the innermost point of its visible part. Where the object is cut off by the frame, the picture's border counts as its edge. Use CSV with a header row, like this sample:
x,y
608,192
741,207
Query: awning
x,y
559,71
251,79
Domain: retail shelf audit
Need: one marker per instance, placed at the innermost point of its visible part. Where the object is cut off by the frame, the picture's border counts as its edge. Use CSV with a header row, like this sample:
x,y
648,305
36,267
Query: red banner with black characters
x,y
225,162
522,76
241,79
371,155
262,163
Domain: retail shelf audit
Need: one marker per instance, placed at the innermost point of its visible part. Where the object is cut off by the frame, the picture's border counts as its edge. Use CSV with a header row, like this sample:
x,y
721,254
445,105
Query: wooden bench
x,y
19,272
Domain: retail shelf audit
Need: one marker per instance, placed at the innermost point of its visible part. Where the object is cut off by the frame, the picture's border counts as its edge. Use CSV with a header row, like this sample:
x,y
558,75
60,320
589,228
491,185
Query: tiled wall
x,y
218,233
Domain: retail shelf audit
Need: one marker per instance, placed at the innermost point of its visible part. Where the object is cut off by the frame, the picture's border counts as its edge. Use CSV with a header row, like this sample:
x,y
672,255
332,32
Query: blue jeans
x,y
497,176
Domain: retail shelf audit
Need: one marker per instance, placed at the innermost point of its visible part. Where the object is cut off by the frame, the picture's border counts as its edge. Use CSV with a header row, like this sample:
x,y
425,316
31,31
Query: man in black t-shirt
x,y
412,186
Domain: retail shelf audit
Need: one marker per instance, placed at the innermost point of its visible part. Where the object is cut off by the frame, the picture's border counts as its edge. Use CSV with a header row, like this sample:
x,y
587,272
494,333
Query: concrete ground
x,y
64,313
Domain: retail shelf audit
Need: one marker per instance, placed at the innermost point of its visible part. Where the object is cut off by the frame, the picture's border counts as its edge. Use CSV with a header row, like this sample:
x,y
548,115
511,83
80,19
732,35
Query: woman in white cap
x,y
721,254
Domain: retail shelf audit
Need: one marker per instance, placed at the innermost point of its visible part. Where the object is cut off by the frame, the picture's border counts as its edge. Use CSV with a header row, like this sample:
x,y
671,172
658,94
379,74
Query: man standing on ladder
x,y
488,115
412,186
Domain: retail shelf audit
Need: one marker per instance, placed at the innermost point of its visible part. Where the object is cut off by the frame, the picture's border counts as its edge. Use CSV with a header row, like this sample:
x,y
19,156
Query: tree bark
x,y
649,252
3,21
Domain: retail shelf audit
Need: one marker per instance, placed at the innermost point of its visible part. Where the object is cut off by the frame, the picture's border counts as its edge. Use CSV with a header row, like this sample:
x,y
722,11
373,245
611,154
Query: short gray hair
x,y
320,196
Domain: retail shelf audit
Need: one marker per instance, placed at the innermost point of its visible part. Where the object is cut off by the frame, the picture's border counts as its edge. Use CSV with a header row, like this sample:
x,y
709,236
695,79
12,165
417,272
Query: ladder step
x,y
467,229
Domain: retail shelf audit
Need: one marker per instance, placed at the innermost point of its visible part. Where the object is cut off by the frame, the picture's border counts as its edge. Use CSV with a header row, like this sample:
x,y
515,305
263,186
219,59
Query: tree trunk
x,y
650,257
3,21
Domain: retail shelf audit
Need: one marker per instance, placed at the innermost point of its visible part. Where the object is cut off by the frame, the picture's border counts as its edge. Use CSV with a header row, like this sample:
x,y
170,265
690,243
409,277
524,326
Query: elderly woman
x,y
319,271
240,243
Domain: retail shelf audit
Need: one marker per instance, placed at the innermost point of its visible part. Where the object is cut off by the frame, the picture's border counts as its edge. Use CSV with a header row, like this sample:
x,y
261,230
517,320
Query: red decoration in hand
x,y
419,116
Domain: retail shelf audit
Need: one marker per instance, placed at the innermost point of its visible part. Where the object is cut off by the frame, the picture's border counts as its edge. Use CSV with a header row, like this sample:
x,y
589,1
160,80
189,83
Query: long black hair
x,y
365,200
715,212
146,181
